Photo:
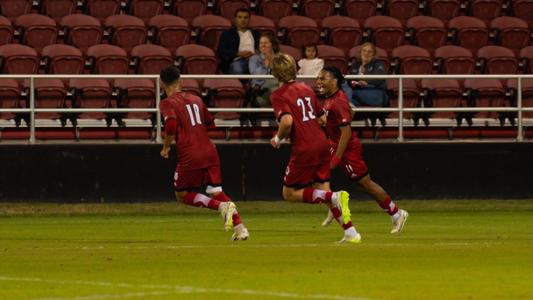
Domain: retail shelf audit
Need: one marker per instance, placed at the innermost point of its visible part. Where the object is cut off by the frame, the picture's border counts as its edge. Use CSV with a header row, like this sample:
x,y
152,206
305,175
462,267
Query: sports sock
x,y
199,200
349,229
316,196
389,206
222,197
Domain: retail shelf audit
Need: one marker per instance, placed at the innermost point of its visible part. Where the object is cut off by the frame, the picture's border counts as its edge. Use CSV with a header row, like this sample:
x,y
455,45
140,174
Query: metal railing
x,y
32,110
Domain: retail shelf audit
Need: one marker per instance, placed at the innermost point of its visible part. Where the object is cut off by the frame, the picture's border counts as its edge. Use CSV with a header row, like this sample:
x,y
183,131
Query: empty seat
x,y
63,59
442,93
146,9
18,59
317,9
497,60
486,10
523,9
126,31
38,30
444,9
333,57
151,59
57,9
527,95
227,8
455,60
275,9
108,59
82,31
299,31
511,32
342,32
209,28
196,59
225,93
359,9
427,32
136,93
485,93
385,32
6,31
191,86
262,24
469,32
526,59
49,93
12,9
403,9
295,53
9,97
170,31
91,93
411,96
412,60
355,53
189,9
101,9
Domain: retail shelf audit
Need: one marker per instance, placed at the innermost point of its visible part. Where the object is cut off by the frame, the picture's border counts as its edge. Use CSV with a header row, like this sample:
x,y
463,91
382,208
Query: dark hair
x,y
273,40
309,46
336,73
169,75
242,9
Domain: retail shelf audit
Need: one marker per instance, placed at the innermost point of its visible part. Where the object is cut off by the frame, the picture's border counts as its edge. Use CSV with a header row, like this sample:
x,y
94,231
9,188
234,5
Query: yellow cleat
x,y
351,239
227,209
344,206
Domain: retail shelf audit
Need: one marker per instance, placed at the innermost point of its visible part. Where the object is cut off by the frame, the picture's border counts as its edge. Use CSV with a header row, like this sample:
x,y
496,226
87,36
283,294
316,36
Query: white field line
x,y
111,296
175,289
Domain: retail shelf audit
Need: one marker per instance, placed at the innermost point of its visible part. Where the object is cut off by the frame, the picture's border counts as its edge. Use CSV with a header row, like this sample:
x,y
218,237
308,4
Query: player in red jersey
x,y
186,121
307,175
346,150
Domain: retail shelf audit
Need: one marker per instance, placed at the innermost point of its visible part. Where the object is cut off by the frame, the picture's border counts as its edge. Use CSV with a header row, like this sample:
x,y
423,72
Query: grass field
x,y
448,250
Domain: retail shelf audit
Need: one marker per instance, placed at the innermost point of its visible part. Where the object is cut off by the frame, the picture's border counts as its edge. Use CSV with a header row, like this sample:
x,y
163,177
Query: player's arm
x,y
170,133
284,129
346,133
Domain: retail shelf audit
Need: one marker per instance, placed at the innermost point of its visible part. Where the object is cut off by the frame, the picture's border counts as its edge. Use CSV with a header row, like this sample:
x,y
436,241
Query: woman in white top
x,y
310,64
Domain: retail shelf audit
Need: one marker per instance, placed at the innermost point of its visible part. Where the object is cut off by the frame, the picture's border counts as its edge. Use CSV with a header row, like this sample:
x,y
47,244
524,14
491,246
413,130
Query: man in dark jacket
x,y
237,44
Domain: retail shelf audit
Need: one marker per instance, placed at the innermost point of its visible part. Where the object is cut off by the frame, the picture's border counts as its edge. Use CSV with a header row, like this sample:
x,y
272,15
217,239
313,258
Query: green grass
x,y
448,250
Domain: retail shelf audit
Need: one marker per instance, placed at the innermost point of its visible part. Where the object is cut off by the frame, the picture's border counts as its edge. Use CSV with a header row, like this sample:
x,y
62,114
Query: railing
x,y
519,109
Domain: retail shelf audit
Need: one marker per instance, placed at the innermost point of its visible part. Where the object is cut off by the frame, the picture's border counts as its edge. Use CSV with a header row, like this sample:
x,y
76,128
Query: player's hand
x,y
334,162
164,152
363,83
275,142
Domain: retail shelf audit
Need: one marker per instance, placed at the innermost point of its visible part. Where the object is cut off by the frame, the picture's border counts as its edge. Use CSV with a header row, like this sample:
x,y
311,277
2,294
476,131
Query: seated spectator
x,y
259,64
237,44
310,64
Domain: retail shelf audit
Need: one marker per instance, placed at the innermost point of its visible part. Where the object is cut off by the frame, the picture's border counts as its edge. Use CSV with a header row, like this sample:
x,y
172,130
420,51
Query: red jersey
x,y
339,114
193,146
309,144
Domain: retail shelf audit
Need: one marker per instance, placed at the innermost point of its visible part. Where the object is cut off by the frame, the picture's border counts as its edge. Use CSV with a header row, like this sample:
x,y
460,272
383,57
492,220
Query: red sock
x,y
236,219
199,200
347,225
388,205
222,197
316,196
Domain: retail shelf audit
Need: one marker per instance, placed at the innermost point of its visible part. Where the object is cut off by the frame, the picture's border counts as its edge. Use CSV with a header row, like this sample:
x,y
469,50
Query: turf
x,y
448,250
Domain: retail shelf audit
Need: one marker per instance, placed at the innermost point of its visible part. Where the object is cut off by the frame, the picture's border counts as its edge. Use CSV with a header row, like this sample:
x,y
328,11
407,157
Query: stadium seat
x,y
262,24
108,59
146,9
38,30
189,9
12,9
385,32
381,54
63,59
523,9
57,9
526,59
227,8
527,95
191,86
6,31
485,93
317,9
298,31
49,93
126,31
411,97
295,53
224,93
403,9
151,59
510,32
209,28
359,9
18,59
442,93
91,93
444,9
342,32
82,31
333,56
169,31
135,93
196,59
101,9
275,9
9,97
486,10
454,60
412,60
427,32
497,60
469,32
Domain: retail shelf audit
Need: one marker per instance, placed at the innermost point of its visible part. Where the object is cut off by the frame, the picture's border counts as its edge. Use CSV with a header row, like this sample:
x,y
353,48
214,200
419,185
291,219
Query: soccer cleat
x,y
328,219
241,233
400,222
343,204
351,239
227,209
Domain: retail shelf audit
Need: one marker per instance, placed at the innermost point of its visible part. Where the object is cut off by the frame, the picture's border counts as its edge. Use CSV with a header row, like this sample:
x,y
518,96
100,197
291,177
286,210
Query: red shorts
x,y
191,179
352,163
300,177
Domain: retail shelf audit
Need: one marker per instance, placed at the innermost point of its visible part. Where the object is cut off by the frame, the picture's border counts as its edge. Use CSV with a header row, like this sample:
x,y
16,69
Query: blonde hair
x,y
284,67
371,45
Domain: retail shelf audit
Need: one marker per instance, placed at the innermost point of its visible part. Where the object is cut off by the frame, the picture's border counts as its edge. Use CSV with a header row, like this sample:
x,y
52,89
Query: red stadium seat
x,y
342,32
486,10
91,93
355,53
442,93
108,59
511,32
12,9
359,9
275,9
469,32
82,31
444,9
146,9
455,60
523,9
191,86
101,9
63,59
497,60
262,24
57,9
126,31
403,9
299,31
385,32
151,59
225,93
333,56
209,28
485,93
227,8
427,32
189,9
317,9
6,31
38,30
49,93
18,59
295,53
196,59
527,94
526,59
170,31
136,93
9,97
411,96
412,60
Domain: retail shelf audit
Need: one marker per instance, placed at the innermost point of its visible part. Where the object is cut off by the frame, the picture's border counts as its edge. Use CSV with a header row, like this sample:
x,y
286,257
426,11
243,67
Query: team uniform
x,y
198,161
339,114
309,161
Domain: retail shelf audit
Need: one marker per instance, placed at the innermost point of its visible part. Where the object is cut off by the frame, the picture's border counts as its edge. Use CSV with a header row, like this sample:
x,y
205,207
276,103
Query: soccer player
x,y
187,121
296,109
346,150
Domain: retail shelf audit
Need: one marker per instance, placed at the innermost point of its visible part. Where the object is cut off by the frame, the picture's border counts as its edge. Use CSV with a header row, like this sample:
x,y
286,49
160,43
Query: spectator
x,y
310,64
237,44
260,64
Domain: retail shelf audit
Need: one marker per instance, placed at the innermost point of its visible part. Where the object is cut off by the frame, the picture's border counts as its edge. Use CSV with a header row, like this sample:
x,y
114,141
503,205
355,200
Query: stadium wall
x,y
136,173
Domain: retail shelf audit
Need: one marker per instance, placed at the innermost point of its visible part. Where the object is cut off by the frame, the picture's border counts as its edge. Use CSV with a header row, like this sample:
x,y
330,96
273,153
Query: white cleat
x,y
227,209
356,239
328,220
397,226
240,233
